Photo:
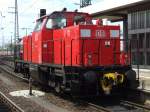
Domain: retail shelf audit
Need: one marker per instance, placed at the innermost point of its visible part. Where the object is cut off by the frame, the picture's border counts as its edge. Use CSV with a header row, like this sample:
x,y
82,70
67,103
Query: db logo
x,y
100,33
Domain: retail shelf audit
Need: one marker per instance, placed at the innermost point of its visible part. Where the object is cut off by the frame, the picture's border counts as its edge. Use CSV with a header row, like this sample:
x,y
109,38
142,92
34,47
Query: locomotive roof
x,y
63,14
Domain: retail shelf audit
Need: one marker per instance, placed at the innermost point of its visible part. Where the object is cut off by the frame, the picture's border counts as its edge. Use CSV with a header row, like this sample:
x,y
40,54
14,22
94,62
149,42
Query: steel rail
x,y
94,106
99,108
13,74
135,105
11,105
7,65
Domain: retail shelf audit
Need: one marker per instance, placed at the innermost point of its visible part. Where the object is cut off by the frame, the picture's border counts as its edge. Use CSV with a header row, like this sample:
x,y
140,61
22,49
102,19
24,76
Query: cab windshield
x,y
56,23
38,25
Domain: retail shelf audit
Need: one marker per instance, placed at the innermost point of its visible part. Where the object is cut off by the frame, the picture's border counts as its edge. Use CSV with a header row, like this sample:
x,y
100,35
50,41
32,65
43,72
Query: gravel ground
x,y
48,103
26,104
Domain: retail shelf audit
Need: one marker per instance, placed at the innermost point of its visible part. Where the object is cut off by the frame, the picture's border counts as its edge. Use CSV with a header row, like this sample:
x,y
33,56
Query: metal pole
x,y
30,86
2,38
11,45
7,51
3,46
138,66
80,3
143,84
2,30
16,30
26,31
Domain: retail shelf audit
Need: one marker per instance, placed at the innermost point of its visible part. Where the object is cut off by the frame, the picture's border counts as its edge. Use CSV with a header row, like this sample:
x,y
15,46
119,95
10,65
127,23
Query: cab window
x,y
56,23
79,20
38,25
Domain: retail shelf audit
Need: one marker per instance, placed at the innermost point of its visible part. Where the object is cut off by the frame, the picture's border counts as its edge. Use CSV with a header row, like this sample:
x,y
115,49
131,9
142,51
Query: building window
x,y
148,40
141,19
148,19
133,41
141,40
138,20
134,21
134,58
138,58
141,58
148,58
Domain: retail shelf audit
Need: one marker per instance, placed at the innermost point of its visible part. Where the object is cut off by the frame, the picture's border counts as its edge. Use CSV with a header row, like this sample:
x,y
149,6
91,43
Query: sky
x,y
28,11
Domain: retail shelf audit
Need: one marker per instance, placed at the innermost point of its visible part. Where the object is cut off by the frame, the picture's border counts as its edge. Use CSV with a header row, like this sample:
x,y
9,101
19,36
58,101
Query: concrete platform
x,y
144,75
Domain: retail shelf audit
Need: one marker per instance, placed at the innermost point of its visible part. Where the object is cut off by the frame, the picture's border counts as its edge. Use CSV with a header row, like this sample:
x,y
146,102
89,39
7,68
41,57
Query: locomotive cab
x,y
42,36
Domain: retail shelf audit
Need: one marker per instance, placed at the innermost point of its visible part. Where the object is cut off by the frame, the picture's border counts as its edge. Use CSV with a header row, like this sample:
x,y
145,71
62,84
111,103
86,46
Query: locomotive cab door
x,y
110,51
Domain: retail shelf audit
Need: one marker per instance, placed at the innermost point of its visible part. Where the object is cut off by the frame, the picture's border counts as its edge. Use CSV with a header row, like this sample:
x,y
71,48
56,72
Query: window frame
x,y
38,23
52,27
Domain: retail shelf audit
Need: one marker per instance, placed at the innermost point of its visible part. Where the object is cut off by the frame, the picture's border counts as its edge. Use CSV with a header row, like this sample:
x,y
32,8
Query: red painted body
x,y
74,45
25,56
86,51
41,48
27,53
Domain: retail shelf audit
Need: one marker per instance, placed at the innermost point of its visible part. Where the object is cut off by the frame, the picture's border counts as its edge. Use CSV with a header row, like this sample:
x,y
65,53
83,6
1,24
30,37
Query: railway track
x,y
6,105
10,69
122,106
138,106
99,108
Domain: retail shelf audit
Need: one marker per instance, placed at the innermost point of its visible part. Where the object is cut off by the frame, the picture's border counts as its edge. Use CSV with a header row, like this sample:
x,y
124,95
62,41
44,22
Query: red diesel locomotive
x,y
67,52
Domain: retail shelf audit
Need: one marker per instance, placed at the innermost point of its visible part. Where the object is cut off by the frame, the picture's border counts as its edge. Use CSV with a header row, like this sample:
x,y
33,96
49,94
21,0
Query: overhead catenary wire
x,y
21,13
29,7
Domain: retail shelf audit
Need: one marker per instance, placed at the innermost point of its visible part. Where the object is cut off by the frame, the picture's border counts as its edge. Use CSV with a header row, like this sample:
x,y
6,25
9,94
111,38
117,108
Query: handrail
x,y
99,40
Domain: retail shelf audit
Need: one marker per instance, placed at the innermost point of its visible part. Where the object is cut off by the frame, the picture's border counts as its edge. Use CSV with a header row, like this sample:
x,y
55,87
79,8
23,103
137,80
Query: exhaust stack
x,y
42,12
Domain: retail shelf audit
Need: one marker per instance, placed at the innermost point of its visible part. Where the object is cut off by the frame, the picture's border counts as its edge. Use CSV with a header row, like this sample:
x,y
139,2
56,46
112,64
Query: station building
x,y
135,15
